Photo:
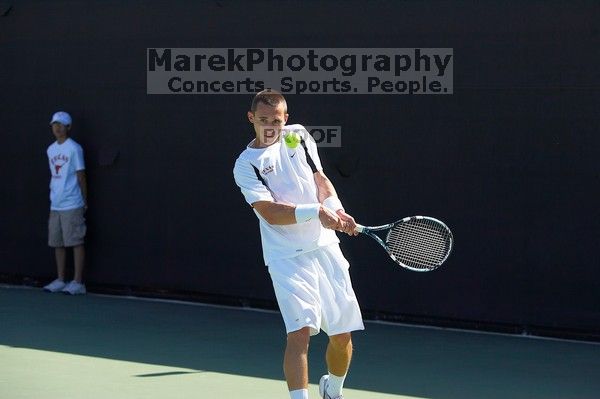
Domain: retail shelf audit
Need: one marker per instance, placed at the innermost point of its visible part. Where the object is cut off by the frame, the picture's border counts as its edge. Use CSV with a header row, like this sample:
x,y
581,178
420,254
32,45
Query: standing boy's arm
x,y
82,181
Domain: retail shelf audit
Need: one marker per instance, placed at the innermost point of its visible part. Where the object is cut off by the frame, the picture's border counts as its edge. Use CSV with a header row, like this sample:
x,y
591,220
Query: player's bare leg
x,y
338,356
295,361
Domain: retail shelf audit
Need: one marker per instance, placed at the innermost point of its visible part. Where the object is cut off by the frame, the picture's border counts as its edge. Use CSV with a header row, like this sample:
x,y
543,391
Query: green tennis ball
x,y
292,140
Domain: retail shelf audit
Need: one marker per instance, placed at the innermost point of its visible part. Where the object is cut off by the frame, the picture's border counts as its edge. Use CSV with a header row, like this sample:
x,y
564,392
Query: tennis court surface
x,y
56,346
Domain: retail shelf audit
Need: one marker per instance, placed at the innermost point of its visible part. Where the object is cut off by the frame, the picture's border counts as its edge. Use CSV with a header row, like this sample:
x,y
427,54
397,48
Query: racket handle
x,y
359,228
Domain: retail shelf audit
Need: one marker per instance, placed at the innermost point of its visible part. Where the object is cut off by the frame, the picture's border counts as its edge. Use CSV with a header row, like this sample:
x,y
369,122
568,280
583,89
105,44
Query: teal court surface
x,y
93,346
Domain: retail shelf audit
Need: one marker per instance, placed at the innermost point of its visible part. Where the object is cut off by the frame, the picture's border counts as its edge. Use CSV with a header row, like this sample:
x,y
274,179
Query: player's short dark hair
x,y
269,97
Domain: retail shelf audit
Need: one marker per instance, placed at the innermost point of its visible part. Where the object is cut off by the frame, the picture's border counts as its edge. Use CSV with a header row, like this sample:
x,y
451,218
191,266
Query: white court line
x,y
386,323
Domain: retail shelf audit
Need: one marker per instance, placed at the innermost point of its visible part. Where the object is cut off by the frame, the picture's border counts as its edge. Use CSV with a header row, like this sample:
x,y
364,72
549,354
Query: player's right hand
x,y
329,219
348,223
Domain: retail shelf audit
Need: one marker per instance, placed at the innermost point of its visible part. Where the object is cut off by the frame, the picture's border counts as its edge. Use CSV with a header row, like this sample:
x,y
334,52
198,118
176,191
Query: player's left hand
x,y
348,223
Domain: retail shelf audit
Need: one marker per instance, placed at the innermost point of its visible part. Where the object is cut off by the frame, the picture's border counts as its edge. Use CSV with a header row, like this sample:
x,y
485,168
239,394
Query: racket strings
x,y
421,244
419,240
414,251
414,257
427,245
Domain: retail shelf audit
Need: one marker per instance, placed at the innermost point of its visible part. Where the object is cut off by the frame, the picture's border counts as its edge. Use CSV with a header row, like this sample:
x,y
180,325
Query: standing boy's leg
x,y
60,254
74,235
56,240
79,260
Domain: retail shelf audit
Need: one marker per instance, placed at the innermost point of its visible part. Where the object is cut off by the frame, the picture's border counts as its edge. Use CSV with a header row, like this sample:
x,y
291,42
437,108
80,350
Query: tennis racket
x,y
417,243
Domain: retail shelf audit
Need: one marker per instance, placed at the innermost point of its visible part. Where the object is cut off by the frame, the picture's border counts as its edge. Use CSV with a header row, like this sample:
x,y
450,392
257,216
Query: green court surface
x,y
56,346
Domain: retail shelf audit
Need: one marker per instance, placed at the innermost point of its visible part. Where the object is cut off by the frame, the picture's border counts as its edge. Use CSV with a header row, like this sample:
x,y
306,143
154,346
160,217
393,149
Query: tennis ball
x,y
292,140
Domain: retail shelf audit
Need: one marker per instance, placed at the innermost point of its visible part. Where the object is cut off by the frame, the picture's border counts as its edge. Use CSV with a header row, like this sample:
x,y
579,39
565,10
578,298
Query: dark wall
x,y
509,161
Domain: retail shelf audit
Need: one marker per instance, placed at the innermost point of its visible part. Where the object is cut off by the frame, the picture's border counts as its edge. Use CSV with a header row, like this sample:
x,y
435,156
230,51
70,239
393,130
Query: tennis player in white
x,y
281,177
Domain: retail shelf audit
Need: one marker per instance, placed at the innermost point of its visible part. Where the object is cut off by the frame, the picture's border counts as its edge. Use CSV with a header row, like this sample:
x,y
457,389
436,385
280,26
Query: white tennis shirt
x,y
288,178
65,160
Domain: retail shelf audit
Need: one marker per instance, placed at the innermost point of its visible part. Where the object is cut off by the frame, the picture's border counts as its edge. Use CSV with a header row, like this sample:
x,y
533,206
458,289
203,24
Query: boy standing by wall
x,y
68,203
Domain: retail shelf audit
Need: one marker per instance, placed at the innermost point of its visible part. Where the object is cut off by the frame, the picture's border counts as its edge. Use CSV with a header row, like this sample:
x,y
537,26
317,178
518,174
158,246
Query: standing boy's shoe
x,y
74,288
55,286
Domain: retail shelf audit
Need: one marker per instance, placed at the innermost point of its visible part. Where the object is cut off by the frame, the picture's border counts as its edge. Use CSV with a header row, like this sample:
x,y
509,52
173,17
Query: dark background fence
x,y
509,161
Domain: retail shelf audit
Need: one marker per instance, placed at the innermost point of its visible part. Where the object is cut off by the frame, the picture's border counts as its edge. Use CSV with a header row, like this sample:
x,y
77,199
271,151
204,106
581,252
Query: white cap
x,y
61,117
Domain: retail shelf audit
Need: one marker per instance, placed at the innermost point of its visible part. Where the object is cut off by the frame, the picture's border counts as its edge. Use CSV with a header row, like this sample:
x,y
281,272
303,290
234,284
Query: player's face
x,y
268,122
60,131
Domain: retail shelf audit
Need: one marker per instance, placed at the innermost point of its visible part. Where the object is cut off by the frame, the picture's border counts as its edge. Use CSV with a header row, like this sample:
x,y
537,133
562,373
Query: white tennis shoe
x,y
55,286
323,388
74,288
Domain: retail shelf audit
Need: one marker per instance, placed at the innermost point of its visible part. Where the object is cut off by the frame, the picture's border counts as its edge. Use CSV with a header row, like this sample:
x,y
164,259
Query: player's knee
x,y
299,339
341,341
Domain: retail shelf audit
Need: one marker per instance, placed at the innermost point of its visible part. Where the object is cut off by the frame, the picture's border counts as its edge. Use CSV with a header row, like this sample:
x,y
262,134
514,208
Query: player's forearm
x,y
325,187
276,213
328,196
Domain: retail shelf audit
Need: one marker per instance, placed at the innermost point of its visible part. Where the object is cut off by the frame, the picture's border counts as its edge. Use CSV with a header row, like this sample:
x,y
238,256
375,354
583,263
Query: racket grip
x,y
359,228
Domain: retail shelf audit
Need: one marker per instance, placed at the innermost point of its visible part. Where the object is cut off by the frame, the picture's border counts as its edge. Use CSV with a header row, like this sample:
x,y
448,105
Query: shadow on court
x,y
423,363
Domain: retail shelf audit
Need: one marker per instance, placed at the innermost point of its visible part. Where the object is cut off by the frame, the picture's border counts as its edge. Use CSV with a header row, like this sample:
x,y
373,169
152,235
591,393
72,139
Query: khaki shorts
x,y
66,228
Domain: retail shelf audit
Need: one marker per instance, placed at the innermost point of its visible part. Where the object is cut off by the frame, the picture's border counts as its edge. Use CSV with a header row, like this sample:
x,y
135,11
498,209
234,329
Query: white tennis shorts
x,y
314,290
